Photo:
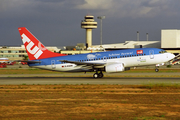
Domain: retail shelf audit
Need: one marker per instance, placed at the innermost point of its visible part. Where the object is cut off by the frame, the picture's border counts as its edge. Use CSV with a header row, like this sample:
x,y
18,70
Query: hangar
x,y
170,40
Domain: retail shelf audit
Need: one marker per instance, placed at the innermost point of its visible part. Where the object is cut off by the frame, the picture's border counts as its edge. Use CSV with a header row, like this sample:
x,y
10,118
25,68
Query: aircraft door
x,y
104,59
151,53
53,64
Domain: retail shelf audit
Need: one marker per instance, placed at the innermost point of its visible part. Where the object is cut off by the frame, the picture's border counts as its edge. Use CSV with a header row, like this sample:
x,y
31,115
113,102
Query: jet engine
x,y
118,67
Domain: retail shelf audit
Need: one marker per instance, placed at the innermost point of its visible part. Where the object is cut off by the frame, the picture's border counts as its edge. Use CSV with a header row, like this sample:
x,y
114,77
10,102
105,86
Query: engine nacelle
x,y
118,67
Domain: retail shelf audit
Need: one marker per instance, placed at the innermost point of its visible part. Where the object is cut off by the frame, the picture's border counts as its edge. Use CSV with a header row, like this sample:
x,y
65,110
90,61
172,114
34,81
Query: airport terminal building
x,y
17,53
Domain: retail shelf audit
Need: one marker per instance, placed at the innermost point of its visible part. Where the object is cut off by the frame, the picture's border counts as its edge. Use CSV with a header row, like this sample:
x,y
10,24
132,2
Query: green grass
x,y
152,70
26,71
39,71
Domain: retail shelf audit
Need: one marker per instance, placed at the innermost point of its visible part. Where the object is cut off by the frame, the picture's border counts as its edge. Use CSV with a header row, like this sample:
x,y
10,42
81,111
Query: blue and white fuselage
x,y
111,61
129,58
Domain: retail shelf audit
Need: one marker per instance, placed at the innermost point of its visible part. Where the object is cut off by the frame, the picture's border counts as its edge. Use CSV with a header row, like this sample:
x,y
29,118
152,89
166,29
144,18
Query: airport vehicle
x,y
3,65
110,61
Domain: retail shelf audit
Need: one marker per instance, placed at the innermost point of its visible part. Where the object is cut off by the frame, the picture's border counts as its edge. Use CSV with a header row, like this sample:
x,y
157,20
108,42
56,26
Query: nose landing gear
x,y
157,70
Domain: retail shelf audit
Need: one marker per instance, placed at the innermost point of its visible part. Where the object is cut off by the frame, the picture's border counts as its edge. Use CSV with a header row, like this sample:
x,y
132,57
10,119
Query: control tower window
x,y
89,24
163,51
89,18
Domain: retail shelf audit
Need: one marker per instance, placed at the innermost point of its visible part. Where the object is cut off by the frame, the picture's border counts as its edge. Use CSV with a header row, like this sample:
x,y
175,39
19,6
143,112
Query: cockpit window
x,y
162,51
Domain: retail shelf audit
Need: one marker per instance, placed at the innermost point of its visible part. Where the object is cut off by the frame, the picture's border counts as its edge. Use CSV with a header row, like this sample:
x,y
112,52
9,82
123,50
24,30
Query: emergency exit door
x,y
151,53
53,64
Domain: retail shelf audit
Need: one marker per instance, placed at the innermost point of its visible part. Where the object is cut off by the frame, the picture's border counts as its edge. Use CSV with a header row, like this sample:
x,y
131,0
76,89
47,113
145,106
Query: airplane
x,y
4,60
99,62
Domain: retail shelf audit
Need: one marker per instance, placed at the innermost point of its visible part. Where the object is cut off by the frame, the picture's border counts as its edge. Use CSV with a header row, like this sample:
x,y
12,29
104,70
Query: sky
x,y
58,22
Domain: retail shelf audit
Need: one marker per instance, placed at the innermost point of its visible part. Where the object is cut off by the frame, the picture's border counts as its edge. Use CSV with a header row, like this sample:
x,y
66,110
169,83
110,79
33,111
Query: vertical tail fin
x,y
35,49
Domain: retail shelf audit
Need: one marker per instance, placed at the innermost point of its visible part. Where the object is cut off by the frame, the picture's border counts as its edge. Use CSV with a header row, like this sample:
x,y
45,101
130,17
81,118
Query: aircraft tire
x,y
157,70
95,75
100,75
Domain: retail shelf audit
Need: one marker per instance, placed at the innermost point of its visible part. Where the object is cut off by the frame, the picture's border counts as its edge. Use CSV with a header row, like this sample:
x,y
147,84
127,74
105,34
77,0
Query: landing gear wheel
x,y
95,75
100,75
157,70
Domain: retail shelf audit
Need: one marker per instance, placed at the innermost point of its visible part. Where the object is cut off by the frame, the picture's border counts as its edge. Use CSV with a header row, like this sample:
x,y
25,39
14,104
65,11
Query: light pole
x,y
101,17
147,35
137,35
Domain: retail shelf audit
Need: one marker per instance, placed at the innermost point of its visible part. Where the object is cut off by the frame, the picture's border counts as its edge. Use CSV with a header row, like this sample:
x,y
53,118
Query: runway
x,y
86,80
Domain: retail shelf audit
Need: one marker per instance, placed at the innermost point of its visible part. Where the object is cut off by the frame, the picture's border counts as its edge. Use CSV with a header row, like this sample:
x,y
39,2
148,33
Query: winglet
x,y
35,49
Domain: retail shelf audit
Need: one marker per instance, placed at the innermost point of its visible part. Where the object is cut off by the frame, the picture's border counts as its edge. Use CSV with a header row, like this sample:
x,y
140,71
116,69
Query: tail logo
x,y
36,52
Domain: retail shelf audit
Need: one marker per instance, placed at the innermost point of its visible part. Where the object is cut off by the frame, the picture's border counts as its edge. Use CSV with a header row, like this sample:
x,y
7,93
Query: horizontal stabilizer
x,y
28,61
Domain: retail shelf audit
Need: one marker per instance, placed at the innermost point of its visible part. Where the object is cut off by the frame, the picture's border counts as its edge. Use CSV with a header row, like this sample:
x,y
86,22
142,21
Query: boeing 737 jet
x,y
110,61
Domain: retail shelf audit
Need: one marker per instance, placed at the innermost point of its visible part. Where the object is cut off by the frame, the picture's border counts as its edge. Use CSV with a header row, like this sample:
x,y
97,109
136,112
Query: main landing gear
x,y
98,75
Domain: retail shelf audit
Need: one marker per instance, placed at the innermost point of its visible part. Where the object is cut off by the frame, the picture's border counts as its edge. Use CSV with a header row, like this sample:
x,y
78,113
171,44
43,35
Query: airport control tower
x,y
88,24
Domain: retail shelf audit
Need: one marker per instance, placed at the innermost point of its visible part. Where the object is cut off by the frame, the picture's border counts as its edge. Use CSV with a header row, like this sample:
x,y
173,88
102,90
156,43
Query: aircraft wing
x,y
176,57
84,63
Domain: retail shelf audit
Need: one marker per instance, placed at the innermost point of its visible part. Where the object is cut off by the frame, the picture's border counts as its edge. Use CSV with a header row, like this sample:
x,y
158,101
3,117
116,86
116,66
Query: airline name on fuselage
x,y
128,53
114,54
